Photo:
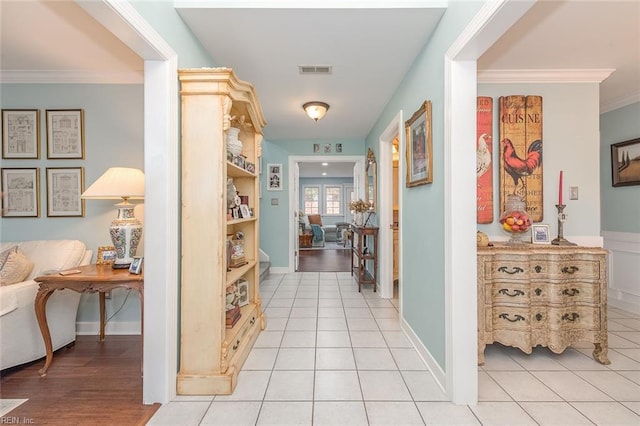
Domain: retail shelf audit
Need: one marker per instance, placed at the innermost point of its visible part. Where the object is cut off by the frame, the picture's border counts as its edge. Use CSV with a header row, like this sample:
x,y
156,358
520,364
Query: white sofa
x,y
20,337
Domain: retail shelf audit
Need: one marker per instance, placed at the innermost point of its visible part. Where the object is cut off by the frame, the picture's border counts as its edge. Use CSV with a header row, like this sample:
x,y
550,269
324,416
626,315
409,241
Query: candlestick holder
x,y
562,217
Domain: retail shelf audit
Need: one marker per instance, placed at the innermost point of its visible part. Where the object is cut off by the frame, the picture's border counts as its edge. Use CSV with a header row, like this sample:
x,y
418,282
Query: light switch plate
x,y
573,193
275,201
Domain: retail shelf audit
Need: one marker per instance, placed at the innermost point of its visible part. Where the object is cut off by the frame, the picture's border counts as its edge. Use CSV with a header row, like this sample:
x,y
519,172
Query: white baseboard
x,y
624,270
423,352
113,328
280,270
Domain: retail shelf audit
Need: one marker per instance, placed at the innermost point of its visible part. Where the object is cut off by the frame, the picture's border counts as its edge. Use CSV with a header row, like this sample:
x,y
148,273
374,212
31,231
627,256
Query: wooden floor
x,y
324,260
91,383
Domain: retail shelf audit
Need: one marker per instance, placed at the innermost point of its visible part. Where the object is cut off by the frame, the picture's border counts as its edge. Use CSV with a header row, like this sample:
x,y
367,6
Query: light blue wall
x,y
167,22
570,134
113,129
274,225
620,206
422,215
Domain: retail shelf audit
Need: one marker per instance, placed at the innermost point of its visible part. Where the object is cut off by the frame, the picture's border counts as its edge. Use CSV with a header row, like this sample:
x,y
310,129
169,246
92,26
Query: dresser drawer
x,y
507,318
512,269
574,292
503,292
566,269
577,317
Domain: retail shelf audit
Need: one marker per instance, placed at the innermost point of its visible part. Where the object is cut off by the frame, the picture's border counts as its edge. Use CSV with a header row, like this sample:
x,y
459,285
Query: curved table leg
x,y
40,306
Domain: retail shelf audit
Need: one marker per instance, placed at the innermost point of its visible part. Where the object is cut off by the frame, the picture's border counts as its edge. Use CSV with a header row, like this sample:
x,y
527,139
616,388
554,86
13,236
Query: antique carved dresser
x,y
531,295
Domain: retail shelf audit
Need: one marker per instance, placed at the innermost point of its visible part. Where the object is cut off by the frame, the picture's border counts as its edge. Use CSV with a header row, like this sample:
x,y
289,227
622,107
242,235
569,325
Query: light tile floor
x,y
333,356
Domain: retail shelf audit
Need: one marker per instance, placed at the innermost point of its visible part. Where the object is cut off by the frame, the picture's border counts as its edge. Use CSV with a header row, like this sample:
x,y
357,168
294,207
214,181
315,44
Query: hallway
x,y
333,356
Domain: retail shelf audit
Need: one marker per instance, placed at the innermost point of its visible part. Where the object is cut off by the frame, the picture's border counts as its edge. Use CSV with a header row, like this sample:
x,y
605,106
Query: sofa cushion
x,y
52,255
315,219
15,266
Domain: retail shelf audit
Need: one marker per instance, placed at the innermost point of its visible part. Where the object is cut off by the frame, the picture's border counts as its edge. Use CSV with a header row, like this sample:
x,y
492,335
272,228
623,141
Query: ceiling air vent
x,y
315,69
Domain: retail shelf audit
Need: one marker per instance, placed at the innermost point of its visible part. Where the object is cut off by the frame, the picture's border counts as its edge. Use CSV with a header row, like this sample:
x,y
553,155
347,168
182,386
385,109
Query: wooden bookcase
x,y
211,355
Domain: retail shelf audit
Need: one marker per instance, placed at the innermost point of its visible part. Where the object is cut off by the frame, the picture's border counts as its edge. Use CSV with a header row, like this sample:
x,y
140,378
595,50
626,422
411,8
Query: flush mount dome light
x,y
315,110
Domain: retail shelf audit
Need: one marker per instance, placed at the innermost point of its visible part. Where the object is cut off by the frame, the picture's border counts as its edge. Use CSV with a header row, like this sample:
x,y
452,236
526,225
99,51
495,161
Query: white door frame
x,y
293,209
385,206
490,23
161,166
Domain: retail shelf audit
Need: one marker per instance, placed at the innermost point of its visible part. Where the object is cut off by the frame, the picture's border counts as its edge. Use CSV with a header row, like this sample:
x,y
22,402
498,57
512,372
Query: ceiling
x,y
369,49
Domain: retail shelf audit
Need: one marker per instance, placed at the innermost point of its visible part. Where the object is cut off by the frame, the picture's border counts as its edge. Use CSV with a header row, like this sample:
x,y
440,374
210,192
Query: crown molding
x,y
620,102
70,77
545,76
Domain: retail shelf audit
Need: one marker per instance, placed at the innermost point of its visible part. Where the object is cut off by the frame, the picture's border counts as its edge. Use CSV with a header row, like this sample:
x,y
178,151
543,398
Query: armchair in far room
x,y
315,221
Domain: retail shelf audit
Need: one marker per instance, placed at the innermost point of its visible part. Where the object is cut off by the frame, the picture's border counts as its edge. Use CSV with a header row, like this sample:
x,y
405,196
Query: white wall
x,y
571,143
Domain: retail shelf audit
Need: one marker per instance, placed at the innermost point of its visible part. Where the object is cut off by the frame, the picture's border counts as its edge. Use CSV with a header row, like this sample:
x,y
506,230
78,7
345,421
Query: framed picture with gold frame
x,y
64,188
65,133
106,255
21,192
21,133
419,147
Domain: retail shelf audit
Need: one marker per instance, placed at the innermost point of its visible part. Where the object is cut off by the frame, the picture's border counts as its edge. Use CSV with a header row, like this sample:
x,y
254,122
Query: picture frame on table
x,y
625,163
540,234
274,177
65,134
64,189
21,192
419,147
21,134
106,255
136,265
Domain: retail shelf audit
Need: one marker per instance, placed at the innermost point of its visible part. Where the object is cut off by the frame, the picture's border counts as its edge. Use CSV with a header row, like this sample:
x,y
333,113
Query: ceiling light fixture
x,y
325,164
315,110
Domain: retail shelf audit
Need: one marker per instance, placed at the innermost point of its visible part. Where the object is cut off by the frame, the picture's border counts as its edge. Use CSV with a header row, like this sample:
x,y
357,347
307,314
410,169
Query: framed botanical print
x,y
64,187
20,133
419,147
65,133
21,192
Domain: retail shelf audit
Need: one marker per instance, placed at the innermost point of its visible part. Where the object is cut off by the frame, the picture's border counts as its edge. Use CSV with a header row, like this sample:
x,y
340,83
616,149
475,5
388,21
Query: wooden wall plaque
x,y
484,159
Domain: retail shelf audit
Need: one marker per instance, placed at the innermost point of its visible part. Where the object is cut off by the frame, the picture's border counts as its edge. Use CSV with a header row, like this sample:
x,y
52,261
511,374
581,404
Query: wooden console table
x,y
90,279
531,295
364,247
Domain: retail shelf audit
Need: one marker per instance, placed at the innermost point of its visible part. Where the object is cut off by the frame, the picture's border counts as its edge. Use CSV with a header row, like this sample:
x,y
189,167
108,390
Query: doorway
x,y
322,186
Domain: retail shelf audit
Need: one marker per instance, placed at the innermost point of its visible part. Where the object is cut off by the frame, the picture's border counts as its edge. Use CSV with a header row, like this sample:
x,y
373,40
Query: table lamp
x,y
125,230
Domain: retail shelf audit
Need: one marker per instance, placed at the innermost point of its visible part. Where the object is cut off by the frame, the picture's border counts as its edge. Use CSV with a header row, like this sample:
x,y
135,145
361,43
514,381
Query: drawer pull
x,y
538,291
570,317
506,316
236,345
569,269
514,271
537,268
505,291
538,317
253,320
571,292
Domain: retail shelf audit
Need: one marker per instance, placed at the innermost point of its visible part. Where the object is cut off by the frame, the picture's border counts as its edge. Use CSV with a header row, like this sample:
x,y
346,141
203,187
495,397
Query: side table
x,y
305,240
90,279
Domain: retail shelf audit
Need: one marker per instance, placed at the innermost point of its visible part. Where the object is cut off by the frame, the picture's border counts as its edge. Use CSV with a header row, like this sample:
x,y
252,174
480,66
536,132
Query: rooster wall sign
x,y
521,152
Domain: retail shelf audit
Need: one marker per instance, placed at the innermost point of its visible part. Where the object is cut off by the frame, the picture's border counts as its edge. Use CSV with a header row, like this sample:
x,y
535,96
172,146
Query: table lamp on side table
x,y
125,230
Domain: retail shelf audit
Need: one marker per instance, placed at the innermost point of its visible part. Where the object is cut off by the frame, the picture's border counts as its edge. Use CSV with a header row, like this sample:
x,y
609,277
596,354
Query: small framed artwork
x,y
106,255
419,147
625,163
327,147
21,192
250,167
540,234
338,147
136,265
21,133
244,211
242,292
274,176
65,133
316,148
64,187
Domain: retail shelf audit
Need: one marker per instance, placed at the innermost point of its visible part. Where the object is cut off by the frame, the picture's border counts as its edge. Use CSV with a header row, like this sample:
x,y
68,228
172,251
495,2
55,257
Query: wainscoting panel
x,y
624,269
